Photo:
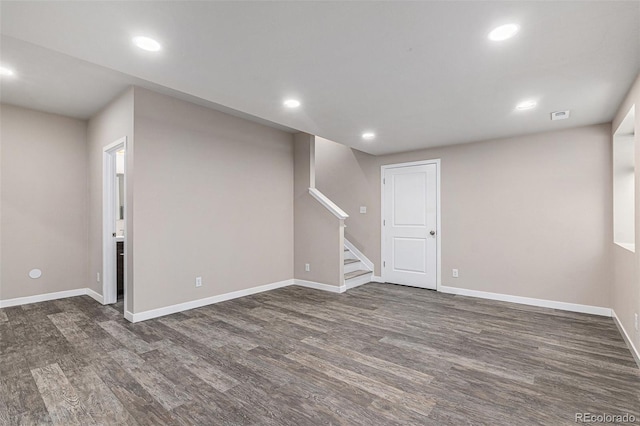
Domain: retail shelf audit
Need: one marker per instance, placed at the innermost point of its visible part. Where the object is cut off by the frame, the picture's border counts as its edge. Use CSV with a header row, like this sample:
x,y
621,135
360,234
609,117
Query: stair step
x,y
348,254
355,274
351,265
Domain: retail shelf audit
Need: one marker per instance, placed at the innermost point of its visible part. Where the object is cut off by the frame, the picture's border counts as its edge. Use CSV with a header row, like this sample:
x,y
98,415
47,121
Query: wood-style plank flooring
x,y
377,355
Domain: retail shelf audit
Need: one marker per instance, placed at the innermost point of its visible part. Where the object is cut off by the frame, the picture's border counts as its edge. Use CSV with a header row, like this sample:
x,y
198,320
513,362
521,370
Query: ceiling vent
x,y
560,115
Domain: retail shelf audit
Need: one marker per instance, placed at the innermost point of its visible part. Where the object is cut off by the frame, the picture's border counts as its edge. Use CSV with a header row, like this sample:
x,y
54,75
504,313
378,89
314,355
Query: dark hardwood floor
x,y
377,355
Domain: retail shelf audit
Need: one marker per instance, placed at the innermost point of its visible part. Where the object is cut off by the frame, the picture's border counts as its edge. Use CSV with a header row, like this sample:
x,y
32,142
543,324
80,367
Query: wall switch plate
x,y
98,277
307,267
454,273
198,281
363,209
636,322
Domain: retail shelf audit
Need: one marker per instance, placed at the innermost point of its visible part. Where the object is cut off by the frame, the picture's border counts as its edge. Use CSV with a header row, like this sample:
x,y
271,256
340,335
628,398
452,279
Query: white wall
x,y
213,198
43,211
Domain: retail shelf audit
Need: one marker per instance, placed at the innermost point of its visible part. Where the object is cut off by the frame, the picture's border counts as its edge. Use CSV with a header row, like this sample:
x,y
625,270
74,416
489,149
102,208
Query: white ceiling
x,y
57,83
419,74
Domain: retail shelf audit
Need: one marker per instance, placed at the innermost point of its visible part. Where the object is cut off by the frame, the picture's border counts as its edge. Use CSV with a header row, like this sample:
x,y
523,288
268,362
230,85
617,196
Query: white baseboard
x,y
358,281
128,316
357,253
320,286
167,310
572,307
377,279
42,297
95,296
627,339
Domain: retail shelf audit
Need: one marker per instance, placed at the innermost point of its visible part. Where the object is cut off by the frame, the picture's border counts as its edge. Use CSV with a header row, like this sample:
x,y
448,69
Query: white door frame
x,y
438,214
109,268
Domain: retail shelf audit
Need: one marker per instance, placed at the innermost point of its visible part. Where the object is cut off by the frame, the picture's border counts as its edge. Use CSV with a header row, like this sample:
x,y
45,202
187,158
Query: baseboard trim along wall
x,y
564,306
95,296
180,307
42,297
627,339
358,281
320,286
167,310
377,279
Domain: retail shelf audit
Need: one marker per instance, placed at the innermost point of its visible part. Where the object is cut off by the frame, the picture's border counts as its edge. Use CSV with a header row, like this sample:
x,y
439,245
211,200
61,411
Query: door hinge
x,y
384,222
384,181
384,264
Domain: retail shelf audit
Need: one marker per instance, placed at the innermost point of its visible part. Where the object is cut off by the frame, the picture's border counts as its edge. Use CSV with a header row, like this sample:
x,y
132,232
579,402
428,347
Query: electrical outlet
x,y
98,277
454,273
636,322
307,267
198,281
363,209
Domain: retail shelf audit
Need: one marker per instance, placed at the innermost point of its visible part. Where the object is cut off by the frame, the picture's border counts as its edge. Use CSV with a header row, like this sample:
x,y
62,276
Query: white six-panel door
x,y
410,219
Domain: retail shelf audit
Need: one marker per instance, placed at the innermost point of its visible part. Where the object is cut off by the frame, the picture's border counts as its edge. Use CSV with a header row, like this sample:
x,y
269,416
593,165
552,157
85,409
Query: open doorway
x,y
114,258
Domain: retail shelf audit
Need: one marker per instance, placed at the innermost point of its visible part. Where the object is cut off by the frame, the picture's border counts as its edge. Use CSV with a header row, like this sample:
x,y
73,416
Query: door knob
x,y
432,233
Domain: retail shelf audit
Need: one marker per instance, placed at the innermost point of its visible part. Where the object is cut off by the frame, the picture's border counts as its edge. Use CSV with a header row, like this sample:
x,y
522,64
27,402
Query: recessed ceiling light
x,y
292,103
146,43
368,136
4,71
526,105
503,32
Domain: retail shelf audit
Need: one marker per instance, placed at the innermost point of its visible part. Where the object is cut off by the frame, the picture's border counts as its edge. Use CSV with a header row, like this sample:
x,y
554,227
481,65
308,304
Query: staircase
x,y
355,271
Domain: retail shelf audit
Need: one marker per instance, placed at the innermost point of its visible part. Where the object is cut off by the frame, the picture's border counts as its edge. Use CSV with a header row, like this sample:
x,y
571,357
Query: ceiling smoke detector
x,y
560,115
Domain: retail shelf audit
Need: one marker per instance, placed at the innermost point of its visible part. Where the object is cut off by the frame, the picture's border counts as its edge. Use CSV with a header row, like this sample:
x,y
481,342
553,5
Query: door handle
x,y
432,233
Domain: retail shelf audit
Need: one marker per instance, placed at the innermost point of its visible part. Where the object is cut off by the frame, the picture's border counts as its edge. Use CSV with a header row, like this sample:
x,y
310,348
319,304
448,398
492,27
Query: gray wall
x,y
112,123
526,216
318,233
626,280
213,198
347,177
43,213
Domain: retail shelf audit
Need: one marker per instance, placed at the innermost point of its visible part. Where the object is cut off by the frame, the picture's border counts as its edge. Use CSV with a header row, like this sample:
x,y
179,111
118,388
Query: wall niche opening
x,y
624,183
